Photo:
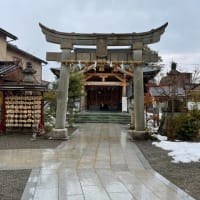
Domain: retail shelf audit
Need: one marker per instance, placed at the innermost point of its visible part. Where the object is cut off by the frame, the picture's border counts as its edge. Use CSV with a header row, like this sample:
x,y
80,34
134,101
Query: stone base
x,y
59,134
138,135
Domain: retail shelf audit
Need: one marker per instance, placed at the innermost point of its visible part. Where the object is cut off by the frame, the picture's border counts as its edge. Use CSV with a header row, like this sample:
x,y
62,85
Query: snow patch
x,y
184,152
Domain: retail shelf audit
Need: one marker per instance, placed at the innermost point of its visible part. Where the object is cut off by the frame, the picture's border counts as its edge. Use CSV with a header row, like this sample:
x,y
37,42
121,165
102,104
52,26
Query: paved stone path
x,y
98,163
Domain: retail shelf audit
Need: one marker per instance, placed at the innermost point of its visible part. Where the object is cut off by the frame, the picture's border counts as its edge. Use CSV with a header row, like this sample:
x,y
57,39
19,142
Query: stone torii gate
x,y
137,58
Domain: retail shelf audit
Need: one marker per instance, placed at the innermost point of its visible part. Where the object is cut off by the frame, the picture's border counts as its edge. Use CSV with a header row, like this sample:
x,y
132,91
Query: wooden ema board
x,y
22,111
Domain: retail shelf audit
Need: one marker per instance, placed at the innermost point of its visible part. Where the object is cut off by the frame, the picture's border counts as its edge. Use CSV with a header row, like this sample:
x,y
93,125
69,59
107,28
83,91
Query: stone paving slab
x,y
96,163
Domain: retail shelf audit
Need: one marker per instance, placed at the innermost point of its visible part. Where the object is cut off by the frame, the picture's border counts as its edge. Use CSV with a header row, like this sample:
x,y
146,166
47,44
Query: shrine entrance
x,y
103,67
104,98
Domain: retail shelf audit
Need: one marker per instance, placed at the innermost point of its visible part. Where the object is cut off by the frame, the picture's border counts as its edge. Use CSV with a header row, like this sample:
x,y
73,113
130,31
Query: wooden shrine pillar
x,y
124,98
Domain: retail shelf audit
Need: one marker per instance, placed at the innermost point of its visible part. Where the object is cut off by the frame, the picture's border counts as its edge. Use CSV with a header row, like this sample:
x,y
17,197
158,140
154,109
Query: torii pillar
x,y
139,132
60,132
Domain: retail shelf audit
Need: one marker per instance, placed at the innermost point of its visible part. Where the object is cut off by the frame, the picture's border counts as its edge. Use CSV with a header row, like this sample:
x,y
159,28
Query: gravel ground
x,y
20,141
12,183
24,141
184,175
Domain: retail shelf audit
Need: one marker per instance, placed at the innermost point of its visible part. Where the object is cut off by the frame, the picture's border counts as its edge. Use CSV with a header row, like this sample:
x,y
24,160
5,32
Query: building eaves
x,y
11,36
22,86
148,70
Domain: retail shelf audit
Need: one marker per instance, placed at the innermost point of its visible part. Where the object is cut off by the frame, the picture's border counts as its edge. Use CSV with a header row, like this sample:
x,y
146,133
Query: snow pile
x,y
184,152
181,151
160,137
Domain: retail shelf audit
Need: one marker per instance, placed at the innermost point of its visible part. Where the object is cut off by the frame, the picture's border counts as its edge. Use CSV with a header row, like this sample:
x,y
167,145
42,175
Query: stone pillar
x,y
60,132
139,132
139,98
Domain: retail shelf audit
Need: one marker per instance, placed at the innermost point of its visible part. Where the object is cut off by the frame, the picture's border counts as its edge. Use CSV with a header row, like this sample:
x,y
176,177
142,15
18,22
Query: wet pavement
x,y
98,162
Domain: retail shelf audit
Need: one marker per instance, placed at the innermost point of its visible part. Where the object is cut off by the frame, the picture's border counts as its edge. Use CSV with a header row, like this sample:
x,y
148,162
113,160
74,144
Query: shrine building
x,y
106,85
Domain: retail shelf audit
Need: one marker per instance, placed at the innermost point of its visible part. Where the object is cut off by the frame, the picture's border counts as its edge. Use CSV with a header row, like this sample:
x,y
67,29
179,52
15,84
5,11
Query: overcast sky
x,y
179,43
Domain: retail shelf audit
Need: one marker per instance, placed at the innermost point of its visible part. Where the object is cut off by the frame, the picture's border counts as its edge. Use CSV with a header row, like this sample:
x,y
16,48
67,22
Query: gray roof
x,y
164,91
6,67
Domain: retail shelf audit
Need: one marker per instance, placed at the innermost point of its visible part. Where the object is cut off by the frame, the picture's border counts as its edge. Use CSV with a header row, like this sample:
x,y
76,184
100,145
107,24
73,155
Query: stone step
x,y
103,117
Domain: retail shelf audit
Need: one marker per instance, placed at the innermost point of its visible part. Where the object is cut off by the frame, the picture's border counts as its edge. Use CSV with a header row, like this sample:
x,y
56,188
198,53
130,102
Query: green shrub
x,y
186,125
196,114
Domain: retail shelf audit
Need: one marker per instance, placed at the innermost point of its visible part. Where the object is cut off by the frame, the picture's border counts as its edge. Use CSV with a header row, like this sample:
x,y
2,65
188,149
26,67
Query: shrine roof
x,y
113,39
147,70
